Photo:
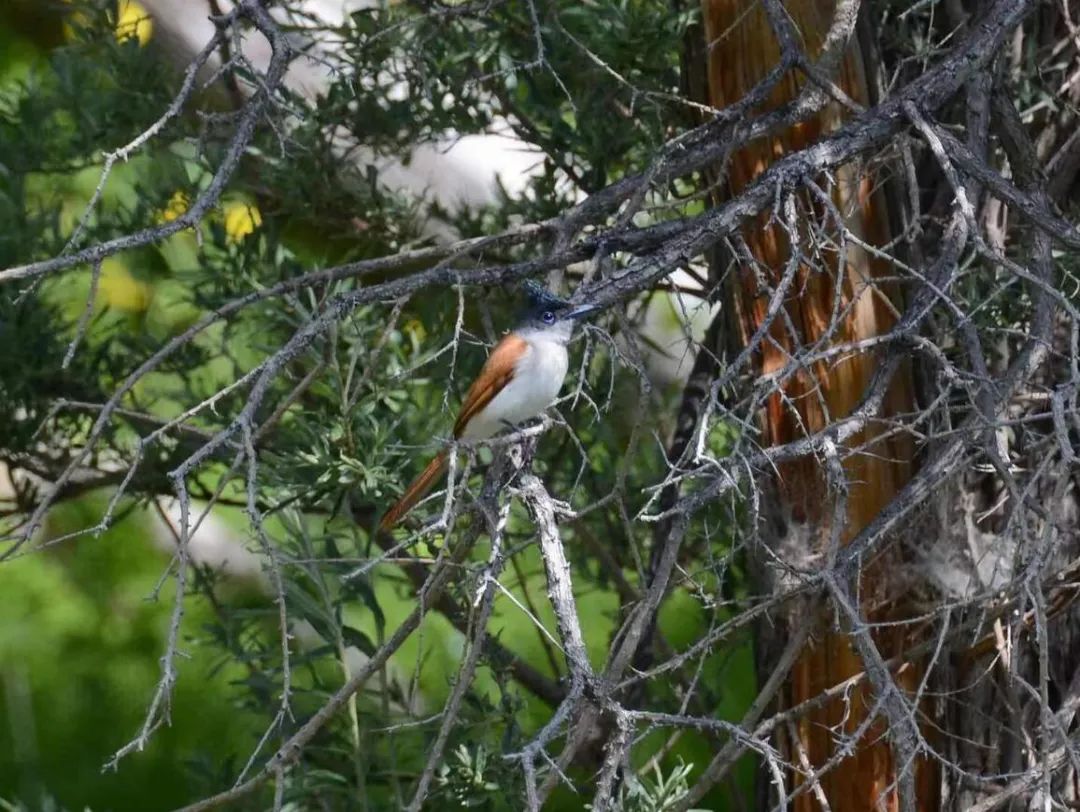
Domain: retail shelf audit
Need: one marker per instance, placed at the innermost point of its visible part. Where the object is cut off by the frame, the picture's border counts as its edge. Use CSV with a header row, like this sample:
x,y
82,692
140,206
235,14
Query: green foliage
x,y
656,792
465,780
80,635
365,405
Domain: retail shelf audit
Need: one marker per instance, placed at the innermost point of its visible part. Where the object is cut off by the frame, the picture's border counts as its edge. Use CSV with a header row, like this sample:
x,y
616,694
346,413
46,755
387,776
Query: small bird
x,y
519,380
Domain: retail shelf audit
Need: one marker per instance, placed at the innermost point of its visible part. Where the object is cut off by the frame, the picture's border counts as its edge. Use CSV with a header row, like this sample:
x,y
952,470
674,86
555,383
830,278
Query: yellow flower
x,y
415,330
177,205
241,219
120,290
133,20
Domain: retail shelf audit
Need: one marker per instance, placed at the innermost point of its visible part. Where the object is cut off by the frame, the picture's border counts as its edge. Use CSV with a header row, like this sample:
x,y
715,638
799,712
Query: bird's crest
x,y
541,297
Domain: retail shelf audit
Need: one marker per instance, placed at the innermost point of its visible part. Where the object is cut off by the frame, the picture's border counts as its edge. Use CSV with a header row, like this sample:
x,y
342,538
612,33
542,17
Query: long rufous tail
x,y
415,492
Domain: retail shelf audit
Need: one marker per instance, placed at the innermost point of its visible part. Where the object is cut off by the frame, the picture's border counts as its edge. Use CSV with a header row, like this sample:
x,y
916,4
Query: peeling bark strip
x,y
829,291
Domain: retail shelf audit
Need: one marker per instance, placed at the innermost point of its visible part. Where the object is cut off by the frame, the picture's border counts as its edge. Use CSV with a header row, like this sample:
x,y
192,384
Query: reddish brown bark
x,y
742,49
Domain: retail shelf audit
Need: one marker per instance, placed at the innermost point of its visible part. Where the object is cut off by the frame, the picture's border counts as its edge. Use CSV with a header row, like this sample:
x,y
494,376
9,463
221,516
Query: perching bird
x,y
520,379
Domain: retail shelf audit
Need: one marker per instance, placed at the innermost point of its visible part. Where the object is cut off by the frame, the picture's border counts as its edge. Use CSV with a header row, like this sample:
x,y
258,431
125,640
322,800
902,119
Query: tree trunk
x,y
836,294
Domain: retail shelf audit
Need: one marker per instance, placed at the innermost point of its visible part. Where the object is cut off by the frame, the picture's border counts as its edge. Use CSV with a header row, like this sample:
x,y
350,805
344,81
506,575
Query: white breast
x,y
538,377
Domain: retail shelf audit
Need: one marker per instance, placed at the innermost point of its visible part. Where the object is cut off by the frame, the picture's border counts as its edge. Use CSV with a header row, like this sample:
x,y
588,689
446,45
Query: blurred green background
x,y
84,622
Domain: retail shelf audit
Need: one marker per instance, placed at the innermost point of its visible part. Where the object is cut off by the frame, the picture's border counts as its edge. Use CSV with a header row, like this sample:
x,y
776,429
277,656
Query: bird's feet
x,y
564,509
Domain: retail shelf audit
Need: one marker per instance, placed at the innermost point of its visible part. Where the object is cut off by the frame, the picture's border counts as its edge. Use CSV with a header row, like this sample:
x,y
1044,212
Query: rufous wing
x,y
497,372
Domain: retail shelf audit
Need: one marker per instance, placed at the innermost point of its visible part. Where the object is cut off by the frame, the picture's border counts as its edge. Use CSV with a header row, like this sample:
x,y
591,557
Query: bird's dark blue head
x,y
549,314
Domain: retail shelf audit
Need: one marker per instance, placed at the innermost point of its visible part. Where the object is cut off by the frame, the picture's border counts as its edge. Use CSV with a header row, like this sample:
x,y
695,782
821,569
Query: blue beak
x,y
581,311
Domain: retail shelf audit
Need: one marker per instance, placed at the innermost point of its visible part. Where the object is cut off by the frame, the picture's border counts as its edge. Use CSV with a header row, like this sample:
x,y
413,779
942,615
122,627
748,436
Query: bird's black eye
x,y
547,317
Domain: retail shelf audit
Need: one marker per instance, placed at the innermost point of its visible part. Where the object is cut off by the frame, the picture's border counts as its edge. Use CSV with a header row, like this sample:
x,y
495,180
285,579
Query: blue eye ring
x,y
548,317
